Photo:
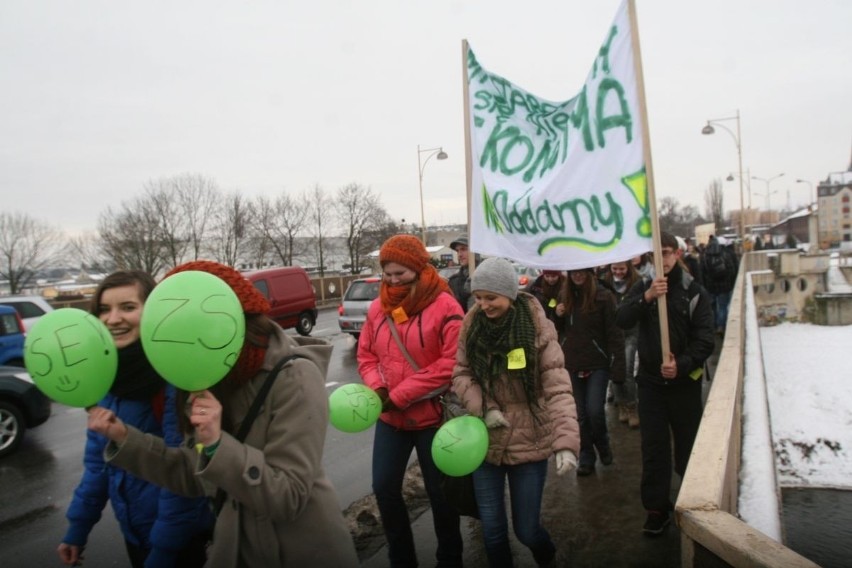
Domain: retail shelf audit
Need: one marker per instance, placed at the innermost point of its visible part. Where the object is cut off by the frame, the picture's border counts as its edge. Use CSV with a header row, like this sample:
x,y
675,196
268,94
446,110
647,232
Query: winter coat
x,y
149,517
724,283
591,340
430,338
548,301
526,439
691,327
459,284
281,509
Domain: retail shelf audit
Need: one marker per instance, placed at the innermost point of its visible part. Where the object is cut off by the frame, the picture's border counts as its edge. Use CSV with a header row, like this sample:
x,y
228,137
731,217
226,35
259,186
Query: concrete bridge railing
x,y
712,534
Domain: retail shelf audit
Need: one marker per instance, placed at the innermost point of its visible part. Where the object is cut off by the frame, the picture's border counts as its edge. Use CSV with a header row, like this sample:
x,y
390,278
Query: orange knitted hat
x,y
406,250
252,301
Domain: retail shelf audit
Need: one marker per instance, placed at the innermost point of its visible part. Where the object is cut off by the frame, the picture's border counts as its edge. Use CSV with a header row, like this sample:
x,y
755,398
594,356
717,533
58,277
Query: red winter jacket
x,y
431,338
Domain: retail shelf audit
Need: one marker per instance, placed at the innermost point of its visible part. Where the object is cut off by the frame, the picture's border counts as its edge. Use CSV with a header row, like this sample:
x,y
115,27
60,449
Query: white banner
x,y
560,184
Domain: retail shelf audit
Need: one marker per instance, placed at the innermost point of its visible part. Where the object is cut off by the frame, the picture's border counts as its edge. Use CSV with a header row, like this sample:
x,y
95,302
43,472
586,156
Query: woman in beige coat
x,y
510,371
279,509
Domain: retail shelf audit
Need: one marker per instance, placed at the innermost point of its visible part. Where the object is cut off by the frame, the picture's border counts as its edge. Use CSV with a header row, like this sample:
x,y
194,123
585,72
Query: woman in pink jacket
x,y
406,353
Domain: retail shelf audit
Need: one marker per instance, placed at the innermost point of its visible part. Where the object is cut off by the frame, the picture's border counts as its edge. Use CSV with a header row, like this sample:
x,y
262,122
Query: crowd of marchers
x,y
233,476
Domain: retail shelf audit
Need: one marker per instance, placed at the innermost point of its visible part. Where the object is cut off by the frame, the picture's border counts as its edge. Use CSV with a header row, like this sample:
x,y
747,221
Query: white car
x,y
30,308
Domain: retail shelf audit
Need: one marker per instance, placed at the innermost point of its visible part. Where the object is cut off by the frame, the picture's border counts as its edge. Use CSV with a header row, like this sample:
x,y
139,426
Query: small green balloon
x,y
192,329
460,445
353,408
71,357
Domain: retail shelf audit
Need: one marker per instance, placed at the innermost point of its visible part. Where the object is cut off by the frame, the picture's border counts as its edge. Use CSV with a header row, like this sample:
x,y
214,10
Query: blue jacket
x,y
149,517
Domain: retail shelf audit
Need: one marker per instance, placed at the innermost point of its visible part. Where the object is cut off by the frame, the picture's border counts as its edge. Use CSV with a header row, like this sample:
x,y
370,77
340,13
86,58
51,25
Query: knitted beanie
x,y
252,301
406,250
496,275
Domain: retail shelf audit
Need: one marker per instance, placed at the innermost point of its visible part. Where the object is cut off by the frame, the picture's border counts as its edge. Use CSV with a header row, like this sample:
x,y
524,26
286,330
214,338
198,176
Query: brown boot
x,y
623,415
632,415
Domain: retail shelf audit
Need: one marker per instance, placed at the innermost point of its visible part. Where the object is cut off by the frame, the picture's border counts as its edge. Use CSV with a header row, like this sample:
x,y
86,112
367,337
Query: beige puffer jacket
x,y
525,440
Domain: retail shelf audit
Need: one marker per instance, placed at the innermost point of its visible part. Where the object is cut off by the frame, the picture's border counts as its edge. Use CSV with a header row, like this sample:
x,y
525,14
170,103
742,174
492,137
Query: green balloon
x,y
71,357
460,445
353,408
192,329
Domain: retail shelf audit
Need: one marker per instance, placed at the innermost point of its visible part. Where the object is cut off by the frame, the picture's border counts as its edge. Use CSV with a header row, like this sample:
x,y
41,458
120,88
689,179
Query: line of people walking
x,y
535,365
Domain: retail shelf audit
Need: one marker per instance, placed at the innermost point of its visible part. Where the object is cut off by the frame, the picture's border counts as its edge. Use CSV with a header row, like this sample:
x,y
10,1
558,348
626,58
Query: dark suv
x,y
356,302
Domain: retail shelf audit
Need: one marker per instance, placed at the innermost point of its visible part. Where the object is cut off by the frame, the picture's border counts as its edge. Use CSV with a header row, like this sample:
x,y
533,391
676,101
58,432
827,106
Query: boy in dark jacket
x,y
670,404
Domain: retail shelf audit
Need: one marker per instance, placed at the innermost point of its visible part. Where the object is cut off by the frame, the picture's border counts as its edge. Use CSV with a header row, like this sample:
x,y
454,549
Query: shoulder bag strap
x,y
399,344
219,500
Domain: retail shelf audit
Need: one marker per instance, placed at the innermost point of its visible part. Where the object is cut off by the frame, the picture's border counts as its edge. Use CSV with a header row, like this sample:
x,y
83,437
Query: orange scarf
x,y
413,298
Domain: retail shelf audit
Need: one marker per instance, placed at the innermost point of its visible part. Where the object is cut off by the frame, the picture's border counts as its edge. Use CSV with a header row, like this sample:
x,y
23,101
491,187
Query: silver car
x,y
356,302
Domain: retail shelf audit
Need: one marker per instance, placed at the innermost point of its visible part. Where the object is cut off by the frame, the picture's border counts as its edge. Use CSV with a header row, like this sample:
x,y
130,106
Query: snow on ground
x,y
809,388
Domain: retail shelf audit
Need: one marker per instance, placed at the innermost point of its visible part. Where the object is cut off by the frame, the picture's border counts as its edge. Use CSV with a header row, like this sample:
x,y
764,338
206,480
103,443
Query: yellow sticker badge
x,y
551,303
399,315
517,359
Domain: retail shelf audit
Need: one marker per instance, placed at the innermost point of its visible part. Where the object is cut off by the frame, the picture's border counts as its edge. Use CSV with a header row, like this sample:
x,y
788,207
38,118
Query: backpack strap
x,y
219,500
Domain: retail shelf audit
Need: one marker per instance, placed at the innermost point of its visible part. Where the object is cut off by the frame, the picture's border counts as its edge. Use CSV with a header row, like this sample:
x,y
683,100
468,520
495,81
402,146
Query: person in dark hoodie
x,y
594,353
670,405
546,289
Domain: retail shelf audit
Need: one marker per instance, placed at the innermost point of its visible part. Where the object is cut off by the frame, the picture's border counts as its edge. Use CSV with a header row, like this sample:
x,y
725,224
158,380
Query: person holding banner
x,y
670,404
510,371
160,529
594,354
406,354
274,504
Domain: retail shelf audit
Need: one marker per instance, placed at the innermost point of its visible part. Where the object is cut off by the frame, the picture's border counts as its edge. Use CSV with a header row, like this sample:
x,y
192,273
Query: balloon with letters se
x,y
71,357
192,329
353,408
460,445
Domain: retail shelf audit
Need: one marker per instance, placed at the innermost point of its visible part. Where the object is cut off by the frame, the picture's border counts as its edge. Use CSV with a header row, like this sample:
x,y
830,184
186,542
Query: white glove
x,y
495,419
565,461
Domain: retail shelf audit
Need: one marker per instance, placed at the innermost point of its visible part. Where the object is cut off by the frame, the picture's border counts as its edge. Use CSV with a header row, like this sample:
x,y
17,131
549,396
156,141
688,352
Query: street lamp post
x,y
441,155
708,129
768,193
810,189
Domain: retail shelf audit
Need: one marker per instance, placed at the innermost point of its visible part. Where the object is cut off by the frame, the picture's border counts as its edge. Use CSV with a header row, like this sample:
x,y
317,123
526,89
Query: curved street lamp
x,y
708,129
439,154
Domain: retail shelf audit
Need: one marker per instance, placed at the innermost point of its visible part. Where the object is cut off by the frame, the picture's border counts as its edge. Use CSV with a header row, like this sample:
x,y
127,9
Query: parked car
x,y
356,301
30,308
11,338
291,295
22,406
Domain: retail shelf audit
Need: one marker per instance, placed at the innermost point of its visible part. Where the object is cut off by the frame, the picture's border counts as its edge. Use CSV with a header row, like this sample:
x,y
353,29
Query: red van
x,y
291,295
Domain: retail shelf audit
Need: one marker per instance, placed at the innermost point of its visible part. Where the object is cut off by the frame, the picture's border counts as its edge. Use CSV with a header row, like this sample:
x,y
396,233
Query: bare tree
x,y
26,246
184,204
198,197
361,215
676,220
131,237
319,217
88,248
231,230
280,222
713,202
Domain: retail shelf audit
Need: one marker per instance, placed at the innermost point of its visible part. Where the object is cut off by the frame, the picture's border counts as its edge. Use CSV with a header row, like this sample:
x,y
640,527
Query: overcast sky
x,y
99,97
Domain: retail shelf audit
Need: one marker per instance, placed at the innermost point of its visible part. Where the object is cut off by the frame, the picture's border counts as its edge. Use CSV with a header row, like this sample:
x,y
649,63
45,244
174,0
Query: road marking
x,y
332,384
